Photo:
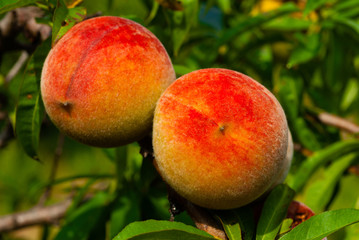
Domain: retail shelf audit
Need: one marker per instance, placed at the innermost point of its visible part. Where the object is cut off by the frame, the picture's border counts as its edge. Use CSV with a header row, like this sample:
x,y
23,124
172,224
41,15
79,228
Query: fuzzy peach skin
x,y
220,138
282,174
101,81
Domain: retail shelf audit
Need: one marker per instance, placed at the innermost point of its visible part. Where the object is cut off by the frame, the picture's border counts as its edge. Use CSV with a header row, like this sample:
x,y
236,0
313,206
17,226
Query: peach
x,y
101,81
282,174
220,138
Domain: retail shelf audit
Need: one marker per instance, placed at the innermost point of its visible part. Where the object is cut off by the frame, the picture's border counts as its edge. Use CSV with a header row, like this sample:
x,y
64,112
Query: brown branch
x,y
338,122
37,215
200,216
23,20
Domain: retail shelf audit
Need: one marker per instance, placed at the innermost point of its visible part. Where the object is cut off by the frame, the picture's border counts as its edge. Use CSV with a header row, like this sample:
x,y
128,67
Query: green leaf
x,y
8,5
274,211
153,229
346,197
256,21
246,221
313,5
286,226
29,109
347,9
65,18
287,23
321,225
289,88
351,24
336,64
350,94
319,193
225,6
230,222
238,223
183,21
126,209
305,135
84,219
307,49
320,158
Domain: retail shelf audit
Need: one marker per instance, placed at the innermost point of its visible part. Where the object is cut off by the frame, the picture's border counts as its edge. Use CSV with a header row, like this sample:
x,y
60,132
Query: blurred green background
x,y
305,52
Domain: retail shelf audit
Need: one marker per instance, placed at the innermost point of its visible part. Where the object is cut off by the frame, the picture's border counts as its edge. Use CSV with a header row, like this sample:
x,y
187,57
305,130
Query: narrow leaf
x,y
313,5
274,211
321,225
29,110
246,221
153,229
307,49
256,21
65,18
8,5
238,223
320,158
230,222
320,192
349,23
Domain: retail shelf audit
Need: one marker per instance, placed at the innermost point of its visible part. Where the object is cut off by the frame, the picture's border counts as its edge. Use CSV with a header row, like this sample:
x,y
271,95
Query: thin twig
x,y
338,122
37,215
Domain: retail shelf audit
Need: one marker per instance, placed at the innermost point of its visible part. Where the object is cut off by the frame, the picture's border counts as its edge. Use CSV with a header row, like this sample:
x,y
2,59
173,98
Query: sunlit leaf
x,y
287,23
321,225
350,94
8,5
65,18
230,223
313,5
152,229
320,158
274,211
319,193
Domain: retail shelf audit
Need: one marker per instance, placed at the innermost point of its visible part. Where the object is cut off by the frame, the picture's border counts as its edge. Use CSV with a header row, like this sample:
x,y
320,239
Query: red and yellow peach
x,y
101,81
220,138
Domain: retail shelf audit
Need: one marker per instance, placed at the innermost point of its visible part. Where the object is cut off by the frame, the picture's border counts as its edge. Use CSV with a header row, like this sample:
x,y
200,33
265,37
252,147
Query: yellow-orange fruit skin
x,y
219,138
101,81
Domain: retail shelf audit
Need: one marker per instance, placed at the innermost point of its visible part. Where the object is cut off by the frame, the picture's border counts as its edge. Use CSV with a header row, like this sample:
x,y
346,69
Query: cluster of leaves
x,y
304,51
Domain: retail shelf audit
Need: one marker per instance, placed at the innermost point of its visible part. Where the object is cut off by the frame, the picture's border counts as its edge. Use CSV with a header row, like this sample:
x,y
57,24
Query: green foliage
x,y
321,225
305,54
29,111
274,212
152,229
